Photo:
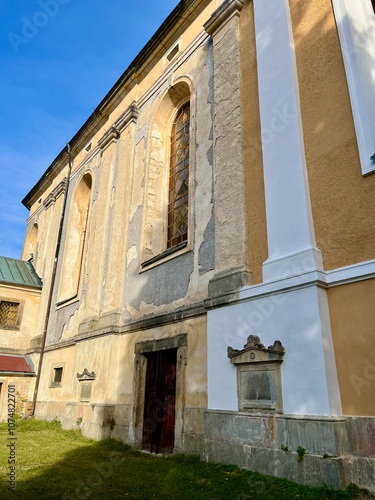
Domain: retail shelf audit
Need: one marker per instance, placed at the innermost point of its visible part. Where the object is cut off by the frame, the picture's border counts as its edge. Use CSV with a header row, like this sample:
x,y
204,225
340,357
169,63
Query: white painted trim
x,y
351,274
356,28
298,319
290,230
294,310
324,279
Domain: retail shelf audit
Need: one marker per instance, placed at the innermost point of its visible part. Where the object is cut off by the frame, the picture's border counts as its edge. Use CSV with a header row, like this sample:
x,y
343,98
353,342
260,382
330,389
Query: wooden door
x,y
160,396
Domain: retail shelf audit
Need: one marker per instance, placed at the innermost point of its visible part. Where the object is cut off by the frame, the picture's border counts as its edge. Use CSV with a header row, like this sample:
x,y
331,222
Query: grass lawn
x,y
52,463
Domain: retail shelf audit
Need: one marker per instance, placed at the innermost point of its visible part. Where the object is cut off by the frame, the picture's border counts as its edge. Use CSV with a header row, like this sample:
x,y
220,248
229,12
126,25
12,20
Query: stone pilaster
x,y
229,192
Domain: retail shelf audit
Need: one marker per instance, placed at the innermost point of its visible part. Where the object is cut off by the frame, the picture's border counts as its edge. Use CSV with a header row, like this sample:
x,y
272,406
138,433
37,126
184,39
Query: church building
x,y
198,272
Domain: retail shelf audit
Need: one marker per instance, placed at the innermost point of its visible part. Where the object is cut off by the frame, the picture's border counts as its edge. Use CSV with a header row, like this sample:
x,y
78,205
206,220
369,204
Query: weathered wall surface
x,y
342,200
110,280
352,315
29,302
123,301
338,451
113,395
24,387
252,146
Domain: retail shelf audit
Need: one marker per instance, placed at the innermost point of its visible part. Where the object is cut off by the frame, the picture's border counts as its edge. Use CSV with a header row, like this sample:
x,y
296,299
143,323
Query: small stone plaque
x,y
85,392
257,386
258,375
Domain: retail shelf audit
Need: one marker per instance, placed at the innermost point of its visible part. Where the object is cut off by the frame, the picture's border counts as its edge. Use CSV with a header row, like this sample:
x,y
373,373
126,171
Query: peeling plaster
x,y
131,255
109,227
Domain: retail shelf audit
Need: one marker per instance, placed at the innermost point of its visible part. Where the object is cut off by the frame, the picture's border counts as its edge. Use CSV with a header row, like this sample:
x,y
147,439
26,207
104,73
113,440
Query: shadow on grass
x,y
111,469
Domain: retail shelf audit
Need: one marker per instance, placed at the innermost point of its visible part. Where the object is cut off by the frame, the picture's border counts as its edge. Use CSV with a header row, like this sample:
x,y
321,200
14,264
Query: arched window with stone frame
x,y
30,246
178,192
167,222
75,240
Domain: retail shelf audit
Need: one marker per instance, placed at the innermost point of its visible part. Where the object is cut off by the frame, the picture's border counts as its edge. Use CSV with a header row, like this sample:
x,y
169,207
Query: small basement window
x,y
57,376
8,314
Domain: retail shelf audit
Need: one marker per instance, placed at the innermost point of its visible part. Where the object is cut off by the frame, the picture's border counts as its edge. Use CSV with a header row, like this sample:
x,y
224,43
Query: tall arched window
x,y
75,240
31,243
178,195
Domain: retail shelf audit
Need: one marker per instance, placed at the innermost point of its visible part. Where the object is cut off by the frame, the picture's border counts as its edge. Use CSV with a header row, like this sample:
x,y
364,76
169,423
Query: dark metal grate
x,y
8,313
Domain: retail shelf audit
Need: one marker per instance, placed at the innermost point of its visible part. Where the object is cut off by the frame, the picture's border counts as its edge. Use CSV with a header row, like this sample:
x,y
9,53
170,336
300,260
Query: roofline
x,y
20,374
34,288
175,19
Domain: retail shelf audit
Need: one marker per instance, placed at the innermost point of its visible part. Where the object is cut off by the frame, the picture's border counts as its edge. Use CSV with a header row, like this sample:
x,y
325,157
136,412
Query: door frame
x,y
178,342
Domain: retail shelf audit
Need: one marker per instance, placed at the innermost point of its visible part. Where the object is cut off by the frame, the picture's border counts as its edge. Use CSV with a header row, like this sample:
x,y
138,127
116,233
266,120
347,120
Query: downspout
x,y
52,285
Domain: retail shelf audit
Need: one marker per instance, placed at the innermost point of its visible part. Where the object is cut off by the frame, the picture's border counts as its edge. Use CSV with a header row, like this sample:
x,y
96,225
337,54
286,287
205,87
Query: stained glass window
x,y
179,178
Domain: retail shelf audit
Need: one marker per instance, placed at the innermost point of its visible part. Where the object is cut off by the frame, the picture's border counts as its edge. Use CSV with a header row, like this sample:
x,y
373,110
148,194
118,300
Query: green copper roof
x,y
18,272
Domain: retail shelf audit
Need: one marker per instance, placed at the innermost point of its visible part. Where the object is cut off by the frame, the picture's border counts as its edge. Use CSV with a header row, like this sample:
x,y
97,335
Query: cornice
x,y
171,28
60,188
255,352
130,115
50,200
110,136
55,193
86,375
227,10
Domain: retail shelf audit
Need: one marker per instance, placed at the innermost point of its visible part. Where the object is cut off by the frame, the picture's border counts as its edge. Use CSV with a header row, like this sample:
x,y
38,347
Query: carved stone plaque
x,y
257,386
258,375
85,391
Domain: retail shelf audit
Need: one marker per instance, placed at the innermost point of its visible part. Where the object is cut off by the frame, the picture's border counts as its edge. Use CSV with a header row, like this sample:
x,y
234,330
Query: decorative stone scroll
x,y
255,352
86,376
258,375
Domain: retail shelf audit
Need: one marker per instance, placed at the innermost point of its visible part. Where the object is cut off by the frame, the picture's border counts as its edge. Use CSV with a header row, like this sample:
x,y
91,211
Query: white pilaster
x,y
291,239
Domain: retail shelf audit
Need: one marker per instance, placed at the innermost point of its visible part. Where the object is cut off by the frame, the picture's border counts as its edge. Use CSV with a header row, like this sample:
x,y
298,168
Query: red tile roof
x,y
15,364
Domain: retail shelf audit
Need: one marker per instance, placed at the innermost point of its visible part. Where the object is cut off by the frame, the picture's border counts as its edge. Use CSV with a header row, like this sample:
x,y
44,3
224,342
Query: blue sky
x,y
58,60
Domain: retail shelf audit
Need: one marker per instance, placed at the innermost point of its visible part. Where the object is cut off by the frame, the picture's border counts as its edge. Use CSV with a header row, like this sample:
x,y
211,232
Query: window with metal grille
x,y
179,179
8,314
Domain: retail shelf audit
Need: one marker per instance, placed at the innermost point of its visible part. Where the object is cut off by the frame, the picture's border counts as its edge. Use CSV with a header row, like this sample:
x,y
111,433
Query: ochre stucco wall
x,y
343,202
23,388
252,146
29,300
352,315
112,359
